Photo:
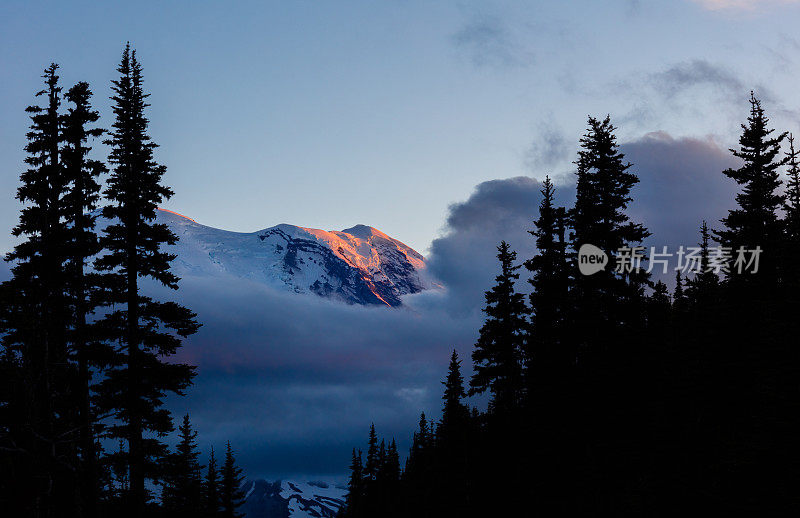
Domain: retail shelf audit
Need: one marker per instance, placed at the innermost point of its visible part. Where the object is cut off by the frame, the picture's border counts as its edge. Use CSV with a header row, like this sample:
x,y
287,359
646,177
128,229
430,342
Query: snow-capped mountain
x,y
358,265
292,499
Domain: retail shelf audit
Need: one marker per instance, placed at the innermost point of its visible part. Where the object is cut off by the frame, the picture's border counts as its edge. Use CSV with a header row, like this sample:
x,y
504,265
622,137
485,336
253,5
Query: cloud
x,y
742,5
294,381
464,257
487,42
681,184
549,149
696,88
681,76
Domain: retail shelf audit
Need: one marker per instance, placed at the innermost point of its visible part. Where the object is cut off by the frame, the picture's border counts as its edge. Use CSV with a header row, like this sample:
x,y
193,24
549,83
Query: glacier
x,y
358,265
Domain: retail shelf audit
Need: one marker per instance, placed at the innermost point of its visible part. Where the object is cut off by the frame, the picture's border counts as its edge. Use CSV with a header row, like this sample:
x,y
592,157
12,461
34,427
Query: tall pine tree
x,y
148,331
791,208
497,356
211,488
755,222
232,495
37,317
545,352
355,487
183,486
82,174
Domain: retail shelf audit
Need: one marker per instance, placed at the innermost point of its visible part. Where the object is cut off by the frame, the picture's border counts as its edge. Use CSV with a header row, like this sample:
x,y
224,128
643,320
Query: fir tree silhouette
x,y
183,486
148,331
37,317
211,488
498,352
83,194
232,496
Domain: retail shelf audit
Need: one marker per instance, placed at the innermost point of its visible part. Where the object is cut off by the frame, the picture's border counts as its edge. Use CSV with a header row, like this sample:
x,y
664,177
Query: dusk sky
x,y
329,114
431,121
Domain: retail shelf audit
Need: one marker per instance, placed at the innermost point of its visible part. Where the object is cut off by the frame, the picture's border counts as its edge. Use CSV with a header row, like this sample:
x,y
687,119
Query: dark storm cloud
x,y
486,41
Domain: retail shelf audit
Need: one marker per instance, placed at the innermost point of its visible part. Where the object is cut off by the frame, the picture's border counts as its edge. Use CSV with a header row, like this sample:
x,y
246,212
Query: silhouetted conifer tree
x,y
147,331
791,208
607,320
372,464
497,356
702,289
83,193
183,485
546,351
604,182
211,489
232,495
355,488
37,319
753,363
756,221
392,467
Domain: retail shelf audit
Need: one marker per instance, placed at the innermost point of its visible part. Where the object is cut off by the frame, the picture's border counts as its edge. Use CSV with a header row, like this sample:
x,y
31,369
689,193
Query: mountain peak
x,y
364,232
359,265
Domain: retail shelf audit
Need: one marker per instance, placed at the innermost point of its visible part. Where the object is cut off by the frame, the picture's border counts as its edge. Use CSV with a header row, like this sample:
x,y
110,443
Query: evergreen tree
x,y
147,331
453,454
701,290
37,317
546,354
372,464
183,486
679,300
232,495
83,194
355,487
211,488
606,324
606,299
791,209
497,354
392,467
454,414
752,362
417,478
792,203
755,223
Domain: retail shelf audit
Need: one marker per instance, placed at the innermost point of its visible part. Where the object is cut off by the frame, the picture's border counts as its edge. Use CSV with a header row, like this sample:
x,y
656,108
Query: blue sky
x,y
427,120
328,114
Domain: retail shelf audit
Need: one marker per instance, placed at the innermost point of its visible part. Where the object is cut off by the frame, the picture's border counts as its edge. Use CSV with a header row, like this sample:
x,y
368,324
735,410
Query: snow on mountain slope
x,y
359,265
292,499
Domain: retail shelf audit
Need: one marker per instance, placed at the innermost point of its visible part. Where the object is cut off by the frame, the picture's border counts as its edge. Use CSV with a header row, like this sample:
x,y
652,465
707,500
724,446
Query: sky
x,y
431,121
331,114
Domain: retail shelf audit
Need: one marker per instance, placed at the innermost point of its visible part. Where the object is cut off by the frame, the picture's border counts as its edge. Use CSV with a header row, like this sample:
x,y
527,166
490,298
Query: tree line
x,y
609,395
85,355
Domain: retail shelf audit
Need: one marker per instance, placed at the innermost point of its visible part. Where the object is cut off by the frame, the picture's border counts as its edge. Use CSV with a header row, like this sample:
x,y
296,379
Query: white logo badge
x,y
591,259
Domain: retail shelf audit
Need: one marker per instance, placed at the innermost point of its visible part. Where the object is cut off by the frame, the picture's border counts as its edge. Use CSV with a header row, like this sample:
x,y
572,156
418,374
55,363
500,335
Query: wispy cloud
x,y
486,41
693,88
549,149
682,76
